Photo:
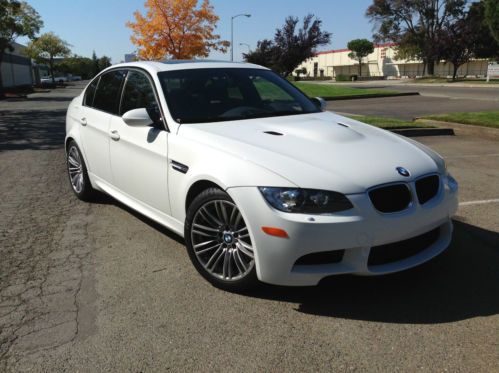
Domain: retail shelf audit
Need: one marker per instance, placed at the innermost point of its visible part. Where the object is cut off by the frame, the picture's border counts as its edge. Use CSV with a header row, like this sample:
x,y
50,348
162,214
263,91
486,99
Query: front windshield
x,y
221,94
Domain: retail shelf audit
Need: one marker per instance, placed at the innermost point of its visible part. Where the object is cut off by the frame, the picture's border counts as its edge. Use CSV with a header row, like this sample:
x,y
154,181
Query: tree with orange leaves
x,y
177,29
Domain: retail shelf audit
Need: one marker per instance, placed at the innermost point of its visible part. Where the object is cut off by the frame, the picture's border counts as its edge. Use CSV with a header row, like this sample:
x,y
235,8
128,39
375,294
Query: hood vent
x,y
342,124
273,133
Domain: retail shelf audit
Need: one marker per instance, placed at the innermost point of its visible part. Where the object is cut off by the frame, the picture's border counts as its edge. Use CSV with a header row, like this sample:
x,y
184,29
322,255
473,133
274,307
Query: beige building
x,y
382,63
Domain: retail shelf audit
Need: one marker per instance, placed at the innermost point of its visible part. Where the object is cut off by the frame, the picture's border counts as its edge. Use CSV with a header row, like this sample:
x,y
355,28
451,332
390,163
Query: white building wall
x,y
382,62
16,68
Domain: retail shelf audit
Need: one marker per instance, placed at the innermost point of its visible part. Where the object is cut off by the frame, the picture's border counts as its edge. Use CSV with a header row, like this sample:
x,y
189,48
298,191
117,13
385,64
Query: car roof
x,y
169,65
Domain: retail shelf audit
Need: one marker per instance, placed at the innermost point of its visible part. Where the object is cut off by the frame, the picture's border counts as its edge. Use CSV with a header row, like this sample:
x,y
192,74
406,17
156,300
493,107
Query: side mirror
x,y
137,118
320,103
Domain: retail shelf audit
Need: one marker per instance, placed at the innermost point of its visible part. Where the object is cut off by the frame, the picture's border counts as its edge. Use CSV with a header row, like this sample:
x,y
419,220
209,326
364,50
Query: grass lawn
x,y
331,90
388,123
479,118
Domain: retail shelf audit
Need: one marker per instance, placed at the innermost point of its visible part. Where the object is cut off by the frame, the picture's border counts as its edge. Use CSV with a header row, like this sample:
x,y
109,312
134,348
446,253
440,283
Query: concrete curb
x,y
464,129
374,95
417,132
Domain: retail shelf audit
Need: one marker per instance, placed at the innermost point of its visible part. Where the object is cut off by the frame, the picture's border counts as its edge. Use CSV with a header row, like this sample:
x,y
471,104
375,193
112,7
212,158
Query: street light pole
x,y
232,33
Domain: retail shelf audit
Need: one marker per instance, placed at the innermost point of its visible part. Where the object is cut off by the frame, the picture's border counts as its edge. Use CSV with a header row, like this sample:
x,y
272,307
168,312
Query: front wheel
x,y
218,241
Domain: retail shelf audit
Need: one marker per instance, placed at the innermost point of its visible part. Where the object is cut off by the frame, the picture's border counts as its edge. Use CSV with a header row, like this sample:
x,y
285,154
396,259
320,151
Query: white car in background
x,y
57,79
261,182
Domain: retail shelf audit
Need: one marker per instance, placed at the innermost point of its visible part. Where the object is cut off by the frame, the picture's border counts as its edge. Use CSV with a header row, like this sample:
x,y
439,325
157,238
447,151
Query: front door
x,y
139,154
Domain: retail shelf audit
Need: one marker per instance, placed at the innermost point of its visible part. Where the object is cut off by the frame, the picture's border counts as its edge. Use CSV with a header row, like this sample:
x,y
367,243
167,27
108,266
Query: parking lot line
x,y
479,202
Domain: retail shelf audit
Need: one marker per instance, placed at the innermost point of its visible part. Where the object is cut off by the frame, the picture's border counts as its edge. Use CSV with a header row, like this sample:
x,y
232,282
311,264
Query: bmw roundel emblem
x,y
402,171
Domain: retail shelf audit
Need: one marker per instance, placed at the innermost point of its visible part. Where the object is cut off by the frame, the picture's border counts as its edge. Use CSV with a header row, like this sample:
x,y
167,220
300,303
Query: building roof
x,y
382,45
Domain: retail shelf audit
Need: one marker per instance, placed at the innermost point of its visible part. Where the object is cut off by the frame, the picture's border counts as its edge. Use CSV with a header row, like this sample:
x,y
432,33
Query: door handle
x,y
114,135
83,121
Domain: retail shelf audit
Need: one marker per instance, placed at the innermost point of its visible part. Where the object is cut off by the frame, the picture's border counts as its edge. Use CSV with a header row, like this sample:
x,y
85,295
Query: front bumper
x,y
355,231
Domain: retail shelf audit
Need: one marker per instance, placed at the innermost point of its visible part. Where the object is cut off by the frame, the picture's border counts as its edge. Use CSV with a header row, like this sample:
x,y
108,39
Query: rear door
x,y
101,103
139,154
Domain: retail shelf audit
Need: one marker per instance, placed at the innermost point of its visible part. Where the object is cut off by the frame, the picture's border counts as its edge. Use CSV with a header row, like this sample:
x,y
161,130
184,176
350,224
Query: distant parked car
x,y
57,79
46,80
74,78
61,79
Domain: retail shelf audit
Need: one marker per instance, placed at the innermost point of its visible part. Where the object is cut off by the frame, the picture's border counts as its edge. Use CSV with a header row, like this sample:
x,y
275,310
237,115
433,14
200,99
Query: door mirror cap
x,y
320,103
137,118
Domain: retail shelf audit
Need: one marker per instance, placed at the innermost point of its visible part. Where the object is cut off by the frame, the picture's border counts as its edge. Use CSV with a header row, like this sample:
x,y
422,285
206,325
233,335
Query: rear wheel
x,y
218,241
78,175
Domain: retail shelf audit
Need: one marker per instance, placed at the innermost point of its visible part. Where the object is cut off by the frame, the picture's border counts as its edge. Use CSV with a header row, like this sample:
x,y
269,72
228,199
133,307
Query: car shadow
x,y
32,129
461,283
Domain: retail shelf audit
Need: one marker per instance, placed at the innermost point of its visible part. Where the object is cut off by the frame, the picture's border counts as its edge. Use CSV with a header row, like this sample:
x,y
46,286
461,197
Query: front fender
x,y
208,163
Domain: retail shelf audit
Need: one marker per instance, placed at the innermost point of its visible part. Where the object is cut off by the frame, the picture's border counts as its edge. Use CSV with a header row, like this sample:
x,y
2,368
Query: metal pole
x,y
232,33
232,39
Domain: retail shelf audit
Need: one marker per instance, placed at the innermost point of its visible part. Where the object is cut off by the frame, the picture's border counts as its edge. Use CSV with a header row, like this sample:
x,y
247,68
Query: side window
x,y
88,100
107,96
138,93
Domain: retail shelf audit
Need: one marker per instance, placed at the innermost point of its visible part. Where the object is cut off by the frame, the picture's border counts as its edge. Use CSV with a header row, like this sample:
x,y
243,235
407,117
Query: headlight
x,y
306,201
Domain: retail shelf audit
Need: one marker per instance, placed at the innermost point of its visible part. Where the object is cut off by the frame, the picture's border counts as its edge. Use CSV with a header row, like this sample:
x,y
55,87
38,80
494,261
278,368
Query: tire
x,y
78,175
218,242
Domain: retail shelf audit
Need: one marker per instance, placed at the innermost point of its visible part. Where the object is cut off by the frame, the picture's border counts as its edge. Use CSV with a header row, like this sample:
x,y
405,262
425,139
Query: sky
x,y
99,25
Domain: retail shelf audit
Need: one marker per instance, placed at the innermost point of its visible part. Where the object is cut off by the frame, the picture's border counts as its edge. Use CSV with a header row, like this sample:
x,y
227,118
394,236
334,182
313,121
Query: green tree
x,y
291,46
104,62
418,22
17,18
76,65
46,48
468,37
95,64
360,48
492,17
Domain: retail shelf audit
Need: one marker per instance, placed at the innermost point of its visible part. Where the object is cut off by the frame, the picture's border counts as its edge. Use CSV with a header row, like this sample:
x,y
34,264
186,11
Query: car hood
x,y
321,150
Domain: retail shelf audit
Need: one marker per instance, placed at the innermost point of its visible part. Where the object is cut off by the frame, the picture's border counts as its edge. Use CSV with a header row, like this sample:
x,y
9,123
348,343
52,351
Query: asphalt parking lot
x,y
97,287
433,99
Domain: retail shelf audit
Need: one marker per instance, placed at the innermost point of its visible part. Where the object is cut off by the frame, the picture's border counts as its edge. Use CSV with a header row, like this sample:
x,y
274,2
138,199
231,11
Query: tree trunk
x,y
360,67
456,66
431,66
51,64
2,91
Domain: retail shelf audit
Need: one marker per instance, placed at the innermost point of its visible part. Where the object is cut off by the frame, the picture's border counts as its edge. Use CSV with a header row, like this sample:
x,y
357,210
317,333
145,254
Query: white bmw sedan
x,y
263,184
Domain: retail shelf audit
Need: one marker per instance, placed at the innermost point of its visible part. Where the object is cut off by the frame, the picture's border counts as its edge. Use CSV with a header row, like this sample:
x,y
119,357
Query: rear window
x,y
88,100
107,96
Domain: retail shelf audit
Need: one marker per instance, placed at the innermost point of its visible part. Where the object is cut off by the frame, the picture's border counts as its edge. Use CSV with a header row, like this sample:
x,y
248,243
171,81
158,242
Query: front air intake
x,y
401,250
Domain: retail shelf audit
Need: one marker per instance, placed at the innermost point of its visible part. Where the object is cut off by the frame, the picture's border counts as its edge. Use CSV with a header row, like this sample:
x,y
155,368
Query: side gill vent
x,y
273,133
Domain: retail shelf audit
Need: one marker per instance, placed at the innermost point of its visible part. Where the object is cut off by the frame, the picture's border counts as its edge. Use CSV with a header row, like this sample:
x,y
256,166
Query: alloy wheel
x,y
221,240
75,168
